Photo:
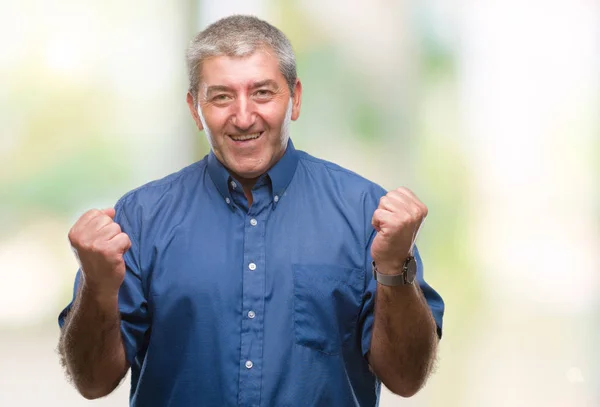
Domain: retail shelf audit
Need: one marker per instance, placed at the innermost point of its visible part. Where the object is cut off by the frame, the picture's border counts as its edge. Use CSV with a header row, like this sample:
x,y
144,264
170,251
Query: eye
x,y
263,93
221,98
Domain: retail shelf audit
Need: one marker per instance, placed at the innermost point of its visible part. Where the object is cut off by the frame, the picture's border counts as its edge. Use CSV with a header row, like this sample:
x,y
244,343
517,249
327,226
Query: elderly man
x,y
258,276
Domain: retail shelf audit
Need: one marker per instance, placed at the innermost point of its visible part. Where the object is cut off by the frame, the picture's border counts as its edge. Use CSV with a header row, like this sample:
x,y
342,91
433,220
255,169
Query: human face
x,y
245,106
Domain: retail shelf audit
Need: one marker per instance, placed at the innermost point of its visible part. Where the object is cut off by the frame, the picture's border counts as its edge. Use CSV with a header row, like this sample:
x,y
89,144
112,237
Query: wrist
x,y
99,295
389,269
392,274
393,265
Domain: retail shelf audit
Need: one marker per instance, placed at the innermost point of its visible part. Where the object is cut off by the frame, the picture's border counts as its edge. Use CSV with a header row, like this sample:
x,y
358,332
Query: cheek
x,y
273,115
216,119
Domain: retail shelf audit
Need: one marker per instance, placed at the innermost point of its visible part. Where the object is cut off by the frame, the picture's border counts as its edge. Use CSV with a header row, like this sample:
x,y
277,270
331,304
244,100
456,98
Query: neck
x,y
248,193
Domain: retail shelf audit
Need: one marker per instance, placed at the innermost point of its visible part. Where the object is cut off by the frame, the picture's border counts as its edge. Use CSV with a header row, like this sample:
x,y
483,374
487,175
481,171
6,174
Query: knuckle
x,y
97,247
115,228
100,217
92,213
406,219
401,219
118,259
82,247
417,213
420,210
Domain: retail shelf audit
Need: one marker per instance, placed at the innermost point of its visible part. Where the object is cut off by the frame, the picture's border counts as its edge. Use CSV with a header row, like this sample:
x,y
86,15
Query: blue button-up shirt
x,y
272,304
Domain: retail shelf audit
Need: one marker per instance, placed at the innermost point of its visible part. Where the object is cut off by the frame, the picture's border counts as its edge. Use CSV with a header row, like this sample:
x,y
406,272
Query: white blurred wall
x,y
520,113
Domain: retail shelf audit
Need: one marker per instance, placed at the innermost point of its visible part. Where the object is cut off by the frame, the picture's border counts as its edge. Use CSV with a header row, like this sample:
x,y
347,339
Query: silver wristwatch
x,y
408,275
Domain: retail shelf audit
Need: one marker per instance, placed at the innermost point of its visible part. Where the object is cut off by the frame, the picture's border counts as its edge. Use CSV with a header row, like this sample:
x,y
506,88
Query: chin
x,y
250,168
248,171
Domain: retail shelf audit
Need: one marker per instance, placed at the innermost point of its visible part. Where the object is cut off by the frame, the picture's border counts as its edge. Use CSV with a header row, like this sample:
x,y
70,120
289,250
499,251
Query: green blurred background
x,y
488,110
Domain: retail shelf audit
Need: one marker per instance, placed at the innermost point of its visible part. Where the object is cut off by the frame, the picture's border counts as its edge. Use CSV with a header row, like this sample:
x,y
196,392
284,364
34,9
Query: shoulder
x,y
343,180
151,193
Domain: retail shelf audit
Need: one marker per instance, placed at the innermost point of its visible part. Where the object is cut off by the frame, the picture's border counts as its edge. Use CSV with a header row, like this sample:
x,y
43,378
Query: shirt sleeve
x,y
133,306
367,315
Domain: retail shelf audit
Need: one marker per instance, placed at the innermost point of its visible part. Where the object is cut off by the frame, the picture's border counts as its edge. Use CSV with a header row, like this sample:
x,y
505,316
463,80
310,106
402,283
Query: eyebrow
x,y
255,85
267,82
217,88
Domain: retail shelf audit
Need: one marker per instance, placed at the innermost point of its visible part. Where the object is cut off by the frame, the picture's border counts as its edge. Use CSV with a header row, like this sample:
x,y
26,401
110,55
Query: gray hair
x,y
239,35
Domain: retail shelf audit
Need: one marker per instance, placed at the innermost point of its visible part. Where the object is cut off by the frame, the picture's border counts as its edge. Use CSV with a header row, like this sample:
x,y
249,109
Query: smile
x,y
245,137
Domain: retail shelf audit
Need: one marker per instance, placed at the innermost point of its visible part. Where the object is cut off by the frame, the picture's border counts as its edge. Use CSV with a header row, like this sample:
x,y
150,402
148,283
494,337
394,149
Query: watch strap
x,y
390,280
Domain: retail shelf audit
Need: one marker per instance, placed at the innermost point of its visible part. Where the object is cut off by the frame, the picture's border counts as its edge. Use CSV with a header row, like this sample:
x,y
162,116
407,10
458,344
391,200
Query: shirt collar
x,y
220,177
280,175
283,171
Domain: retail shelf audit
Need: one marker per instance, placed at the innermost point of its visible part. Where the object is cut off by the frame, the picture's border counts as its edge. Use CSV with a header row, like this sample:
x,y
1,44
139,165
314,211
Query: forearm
x,y
91,346
404,338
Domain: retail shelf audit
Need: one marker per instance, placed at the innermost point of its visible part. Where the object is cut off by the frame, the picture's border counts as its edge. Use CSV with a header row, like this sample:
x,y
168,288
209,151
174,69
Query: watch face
x,y
411,270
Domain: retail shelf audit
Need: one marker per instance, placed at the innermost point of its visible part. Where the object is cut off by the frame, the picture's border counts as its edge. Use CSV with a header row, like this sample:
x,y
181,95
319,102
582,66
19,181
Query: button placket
x,y
253,292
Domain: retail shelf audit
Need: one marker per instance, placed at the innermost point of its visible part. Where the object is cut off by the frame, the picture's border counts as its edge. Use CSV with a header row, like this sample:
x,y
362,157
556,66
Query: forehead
x,y
236,72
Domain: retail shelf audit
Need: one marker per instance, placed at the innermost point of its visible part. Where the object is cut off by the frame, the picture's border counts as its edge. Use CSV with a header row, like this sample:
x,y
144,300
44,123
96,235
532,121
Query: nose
x,y
244,116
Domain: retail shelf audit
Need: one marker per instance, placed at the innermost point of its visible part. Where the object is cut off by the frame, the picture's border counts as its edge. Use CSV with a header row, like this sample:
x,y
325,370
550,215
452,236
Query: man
x,y
258,276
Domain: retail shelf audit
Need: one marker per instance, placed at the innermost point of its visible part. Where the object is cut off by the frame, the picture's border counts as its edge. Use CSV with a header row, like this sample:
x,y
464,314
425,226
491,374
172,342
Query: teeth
x,y
246,137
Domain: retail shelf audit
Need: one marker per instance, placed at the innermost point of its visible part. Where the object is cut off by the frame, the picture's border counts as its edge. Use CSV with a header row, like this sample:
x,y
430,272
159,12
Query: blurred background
x,y
487,109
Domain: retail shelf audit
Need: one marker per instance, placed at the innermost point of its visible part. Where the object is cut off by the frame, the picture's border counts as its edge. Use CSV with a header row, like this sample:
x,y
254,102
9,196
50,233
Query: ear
x,y
297,100
194,111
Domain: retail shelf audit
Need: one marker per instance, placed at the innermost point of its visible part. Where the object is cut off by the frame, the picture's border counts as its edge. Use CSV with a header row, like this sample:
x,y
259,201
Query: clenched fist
x,y
99,245
397,221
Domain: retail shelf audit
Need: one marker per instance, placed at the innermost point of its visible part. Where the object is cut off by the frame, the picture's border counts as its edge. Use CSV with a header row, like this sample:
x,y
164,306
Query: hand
x,y
99,244
397,221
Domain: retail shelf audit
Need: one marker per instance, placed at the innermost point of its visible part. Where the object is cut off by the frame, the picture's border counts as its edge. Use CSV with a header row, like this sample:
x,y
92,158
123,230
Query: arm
x,y
91,347
404,338
404,342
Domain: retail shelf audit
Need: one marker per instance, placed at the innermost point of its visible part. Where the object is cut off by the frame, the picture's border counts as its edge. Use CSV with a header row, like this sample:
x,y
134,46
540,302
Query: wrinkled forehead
x,y
239,73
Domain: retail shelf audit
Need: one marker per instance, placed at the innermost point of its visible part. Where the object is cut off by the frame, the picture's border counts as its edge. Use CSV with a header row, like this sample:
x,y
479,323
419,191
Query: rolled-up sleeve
x,y
133,305
367,315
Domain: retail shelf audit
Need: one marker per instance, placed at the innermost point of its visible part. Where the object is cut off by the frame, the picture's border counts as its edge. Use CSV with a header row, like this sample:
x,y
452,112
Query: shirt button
x,y
228,201
276,199
253,222
251,314
252,266
249,364
233,185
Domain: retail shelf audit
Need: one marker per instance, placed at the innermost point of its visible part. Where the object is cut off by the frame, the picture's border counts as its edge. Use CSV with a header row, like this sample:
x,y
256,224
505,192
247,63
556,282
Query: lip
x,y
246,142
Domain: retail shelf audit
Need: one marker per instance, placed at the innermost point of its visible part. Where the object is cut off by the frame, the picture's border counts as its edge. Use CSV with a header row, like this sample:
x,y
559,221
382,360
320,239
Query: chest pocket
x,y
327,300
